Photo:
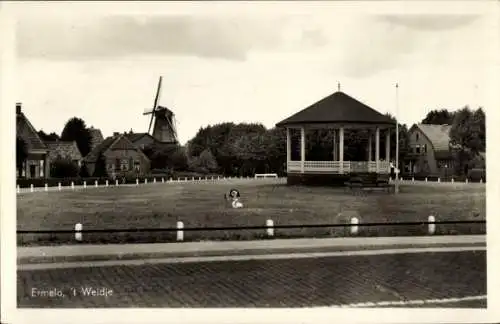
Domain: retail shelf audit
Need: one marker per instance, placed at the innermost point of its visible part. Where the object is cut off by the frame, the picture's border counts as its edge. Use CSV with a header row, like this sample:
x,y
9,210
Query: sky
x,y
248,65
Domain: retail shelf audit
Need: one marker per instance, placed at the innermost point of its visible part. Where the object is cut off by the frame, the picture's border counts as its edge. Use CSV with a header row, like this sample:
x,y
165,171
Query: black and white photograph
x,y
318,155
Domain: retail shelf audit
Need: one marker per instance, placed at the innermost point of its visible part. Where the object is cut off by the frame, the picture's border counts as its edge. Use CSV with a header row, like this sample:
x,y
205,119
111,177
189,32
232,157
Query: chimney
x,y
116,134
18,107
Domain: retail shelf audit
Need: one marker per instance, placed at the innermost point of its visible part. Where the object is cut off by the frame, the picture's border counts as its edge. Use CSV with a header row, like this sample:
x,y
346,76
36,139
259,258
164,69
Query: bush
x,y
476,175
62,168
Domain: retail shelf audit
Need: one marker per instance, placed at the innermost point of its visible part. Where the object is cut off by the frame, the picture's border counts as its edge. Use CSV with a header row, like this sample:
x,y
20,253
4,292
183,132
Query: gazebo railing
x,y
334,166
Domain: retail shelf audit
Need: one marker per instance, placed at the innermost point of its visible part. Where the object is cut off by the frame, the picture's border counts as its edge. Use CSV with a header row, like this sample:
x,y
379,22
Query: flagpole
x,y
396,183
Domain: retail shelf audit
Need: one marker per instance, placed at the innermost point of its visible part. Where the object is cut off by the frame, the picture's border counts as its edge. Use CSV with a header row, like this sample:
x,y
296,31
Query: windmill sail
x,y
164,129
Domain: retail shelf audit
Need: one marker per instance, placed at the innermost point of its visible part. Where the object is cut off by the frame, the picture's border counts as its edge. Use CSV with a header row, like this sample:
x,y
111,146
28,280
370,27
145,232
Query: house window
x,y
137,166
417,149
416,136
124,165
425,148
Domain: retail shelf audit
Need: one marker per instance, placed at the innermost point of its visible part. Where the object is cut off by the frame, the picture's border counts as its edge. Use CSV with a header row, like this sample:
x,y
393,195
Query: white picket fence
x,y
95,184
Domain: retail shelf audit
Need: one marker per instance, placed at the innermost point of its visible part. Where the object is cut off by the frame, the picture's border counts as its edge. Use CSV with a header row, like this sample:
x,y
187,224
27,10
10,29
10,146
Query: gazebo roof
x,y
337,108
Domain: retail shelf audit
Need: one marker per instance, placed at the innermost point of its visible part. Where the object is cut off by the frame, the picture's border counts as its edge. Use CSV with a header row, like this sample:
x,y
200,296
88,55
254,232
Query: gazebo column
x,y
341,149
334,145
377,148
370,145
288,148
302,148
388,147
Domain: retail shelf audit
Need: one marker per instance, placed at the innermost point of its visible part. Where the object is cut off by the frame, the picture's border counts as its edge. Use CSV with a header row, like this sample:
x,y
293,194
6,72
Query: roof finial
x,y
338,86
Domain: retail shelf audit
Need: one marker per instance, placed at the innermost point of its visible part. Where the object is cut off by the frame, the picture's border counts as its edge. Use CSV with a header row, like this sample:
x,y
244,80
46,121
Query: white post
x,y
85,184
412,179
107,183
341,149
78,233
377,148
145,180
59,186
432,226
18,189
302,148
96,184
270,227
72,185
32,188
180,231
439,179
218,177
116,182
354,226
481,181
466,180
154,180
136,181
162,180
452,180
192,178
396,187
46,187
425,179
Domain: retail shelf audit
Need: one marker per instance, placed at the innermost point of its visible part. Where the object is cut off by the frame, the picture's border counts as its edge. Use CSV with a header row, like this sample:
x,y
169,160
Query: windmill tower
x,y
164,129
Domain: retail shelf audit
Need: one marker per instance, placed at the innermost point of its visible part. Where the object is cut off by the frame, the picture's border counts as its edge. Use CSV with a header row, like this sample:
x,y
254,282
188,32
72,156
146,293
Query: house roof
x,y
28,133
118,142
65,149
133,137
438,135
337,108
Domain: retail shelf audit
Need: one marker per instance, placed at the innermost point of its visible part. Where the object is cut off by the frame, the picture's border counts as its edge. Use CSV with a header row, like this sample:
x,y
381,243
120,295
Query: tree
x,y
76,130
21,154
84,172
48,137
467,138
438,117
100,167
207,160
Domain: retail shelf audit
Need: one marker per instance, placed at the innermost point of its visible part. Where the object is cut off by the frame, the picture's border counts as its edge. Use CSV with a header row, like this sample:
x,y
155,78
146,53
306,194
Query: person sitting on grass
x,y
234,197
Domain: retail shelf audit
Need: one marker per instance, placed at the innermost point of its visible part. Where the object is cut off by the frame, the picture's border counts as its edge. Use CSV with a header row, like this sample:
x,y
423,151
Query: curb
x,y
117,256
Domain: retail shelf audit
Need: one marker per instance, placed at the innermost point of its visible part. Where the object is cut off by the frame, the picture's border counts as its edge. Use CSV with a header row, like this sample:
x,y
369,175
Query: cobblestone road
x,y
267,283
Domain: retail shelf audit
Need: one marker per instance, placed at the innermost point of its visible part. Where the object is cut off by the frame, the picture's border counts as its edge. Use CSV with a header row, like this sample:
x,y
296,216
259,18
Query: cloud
x,y
430,22
391,41
62,38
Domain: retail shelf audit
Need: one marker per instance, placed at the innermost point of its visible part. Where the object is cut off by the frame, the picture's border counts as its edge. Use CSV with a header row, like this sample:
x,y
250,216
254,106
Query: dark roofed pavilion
x,y
338,112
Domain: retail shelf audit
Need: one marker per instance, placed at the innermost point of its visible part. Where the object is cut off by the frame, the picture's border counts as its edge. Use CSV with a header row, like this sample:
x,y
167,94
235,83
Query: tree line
x,y
244,149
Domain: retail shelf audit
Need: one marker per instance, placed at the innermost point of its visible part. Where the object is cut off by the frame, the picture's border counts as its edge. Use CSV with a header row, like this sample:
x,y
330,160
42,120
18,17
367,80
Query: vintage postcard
x,y
249,161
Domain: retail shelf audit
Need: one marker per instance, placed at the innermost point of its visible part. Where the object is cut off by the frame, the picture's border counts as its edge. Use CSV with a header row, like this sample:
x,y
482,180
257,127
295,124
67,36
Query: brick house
x,y
67,150
36,164
429,150
122,157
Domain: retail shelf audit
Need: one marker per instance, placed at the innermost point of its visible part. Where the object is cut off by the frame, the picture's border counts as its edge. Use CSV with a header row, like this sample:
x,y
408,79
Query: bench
x,y
266,175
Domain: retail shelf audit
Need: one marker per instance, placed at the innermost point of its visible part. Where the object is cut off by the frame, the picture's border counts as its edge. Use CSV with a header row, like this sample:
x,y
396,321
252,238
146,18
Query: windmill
x,y
164,128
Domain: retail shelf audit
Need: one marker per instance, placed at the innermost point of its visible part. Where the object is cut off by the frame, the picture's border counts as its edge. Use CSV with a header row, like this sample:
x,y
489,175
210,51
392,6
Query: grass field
x,y
202,204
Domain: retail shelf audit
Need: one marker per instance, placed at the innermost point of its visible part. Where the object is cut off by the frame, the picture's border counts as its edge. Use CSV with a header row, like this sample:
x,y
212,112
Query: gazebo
x,y
337,113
